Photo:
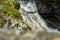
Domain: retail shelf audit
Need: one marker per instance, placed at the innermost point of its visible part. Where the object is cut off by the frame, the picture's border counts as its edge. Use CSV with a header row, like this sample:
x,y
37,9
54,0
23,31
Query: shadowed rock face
x,y
50,12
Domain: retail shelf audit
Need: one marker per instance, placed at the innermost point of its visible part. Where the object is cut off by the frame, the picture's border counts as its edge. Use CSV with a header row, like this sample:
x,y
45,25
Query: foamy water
x,y
34,20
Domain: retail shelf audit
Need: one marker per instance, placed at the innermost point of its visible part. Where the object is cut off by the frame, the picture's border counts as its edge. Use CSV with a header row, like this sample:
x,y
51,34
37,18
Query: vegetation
x,y
8,7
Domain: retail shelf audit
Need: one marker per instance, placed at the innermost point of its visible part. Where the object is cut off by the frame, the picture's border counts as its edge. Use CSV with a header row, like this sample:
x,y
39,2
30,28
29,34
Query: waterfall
x,y
31,17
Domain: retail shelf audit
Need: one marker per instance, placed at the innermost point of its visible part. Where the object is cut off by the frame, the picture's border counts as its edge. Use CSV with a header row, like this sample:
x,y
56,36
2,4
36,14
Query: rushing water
x,y
29,13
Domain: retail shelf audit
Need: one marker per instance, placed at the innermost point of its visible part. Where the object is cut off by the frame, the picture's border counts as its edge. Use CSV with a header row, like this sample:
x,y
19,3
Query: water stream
x,y
29,13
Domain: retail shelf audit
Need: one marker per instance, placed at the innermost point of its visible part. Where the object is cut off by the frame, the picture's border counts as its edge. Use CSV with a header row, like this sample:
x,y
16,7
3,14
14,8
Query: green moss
x,y
9,7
